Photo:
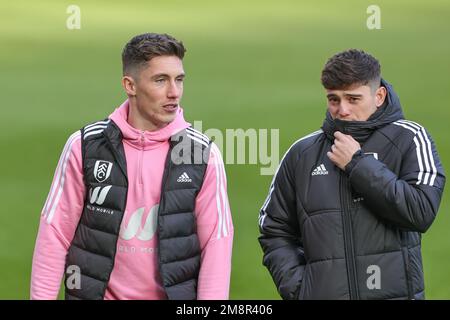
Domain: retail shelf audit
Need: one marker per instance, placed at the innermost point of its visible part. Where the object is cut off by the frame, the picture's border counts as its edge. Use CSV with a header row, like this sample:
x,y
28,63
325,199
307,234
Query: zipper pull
x,y
142,138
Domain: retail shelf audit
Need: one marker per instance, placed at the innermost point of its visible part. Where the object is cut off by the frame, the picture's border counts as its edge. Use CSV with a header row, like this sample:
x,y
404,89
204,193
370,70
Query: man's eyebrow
x,y
353,95
332,95
158,75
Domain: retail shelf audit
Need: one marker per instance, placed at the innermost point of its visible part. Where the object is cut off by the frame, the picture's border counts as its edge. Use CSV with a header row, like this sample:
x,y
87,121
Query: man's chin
x,y
166,119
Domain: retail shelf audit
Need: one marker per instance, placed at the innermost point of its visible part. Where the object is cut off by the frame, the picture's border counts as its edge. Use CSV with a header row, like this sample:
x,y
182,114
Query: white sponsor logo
x,y
98,195
320,171
135,228
133,249
184,178
100,210
102,170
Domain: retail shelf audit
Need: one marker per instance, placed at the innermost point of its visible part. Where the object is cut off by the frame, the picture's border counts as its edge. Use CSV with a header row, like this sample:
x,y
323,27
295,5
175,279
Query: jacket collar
x,y
361,130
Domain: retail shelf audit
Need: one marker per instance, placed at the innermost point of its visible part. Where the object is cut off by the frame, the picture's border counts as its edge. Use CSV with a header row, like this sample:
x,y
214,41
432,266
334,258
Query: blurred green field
x,y
253,64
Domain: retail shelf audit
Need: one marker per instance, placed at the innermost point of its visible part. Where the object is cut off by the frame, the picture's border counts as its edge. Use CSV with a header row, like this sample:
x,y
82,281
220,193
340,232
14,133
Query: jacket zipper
x,y
348,240
117,157
405,254
141,155
167,166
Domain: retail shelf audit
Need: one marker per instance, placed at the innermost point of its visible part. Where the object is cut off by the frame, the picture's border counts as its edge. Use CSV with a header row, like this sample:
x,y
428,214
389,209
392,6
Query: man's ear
x,y
129,84
380,96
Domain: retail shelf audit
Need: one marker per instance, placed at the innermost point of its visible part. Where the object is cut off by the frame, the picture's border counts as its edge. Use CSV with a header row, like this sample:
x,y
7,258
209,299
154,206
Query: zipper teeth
x,y
405,254
141,155
347,255
348,244
353,262
115,153
167,165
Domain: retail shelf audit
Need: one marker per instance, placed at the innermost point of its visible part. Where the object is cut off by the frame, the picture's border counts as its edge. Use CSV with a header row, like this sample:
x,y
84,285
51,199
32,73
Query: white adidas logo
x,y
320,171
184,178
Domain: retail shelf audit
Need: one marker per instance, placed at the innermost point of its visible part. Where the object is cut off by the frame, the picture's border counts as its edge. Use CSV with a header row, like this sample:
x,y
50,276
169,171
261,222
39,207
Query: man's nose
x,y
174,90
344,109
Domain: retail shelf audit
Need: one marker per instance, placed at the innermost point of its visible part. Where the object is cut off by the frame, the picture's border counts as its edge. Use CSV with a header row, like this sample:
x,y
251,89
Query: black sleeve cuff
x,y
358,155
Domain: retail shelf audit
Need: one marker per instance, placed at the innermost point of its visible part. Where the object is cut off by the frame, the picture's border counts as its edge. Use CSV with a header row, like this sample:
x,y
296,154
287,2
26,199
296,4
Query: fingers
x,y
344,139
339,143
331,156
338,135
343,149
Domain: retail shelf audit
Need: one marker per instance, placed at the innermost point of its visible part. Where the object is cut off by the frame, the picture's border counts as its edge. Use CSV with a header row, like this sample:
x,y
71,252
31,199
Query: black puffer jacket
x,y
330,234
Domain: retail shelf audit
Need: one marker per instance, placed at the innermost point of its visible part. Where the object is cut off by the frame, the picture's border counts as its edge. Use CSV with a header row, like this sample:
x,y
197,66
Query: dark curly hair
x,y
351,67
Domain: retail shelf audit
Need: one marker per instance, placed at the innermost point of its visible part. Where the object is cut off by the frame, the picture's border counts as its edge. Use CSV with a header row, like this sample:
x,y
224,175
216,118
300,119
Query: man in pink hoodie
x,y
122,219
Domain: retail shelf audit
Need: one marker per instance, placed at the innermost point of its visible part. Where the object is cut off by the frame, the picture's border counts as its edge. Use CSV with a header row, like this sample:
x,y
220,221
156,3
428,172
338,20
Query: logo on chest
x,y
98,195
320,171
184,178
102,170
136,228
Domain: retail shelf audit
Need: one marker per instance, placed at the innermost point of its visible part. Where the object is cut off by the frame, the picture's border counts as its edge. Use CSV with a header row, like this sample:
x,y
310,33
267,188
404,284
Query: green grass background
x,y
250,64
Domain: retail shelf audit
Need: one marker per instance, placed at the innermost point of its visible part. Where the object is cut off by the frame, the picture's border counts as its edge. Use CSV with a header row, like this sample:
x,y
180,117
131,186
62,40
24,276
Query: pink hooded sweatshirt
x,y
135,274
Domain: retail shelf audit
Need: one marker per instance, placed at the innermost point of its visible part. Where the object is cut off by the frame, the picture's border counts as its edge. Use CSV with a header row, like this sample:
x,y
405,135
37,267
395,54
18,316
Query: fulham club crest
x,y
102,170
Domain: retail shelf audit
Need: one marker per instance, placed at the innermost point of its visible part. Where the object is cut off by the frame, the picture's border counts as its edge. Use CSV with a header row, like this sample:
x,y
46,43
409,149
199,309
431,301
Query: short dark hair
x,y
351,67
144,47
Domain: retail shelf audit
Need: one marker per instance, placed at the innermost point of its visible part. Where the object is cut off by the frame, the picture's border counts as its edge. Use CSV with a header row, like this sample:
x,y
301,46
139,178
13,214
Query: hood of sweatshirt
x,y
146,139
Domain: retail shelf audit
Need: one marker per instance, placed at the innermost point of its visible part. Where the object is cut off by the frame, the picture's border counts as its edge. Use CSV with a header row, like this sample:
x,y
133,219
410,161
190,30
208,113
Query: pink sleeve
x,y
59,219
215,231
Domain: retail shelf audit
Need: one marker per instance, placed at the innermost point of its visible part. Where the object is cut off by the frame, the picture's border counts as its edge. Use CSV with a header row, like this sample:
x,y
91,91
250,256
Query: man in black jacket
x,y
348,204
